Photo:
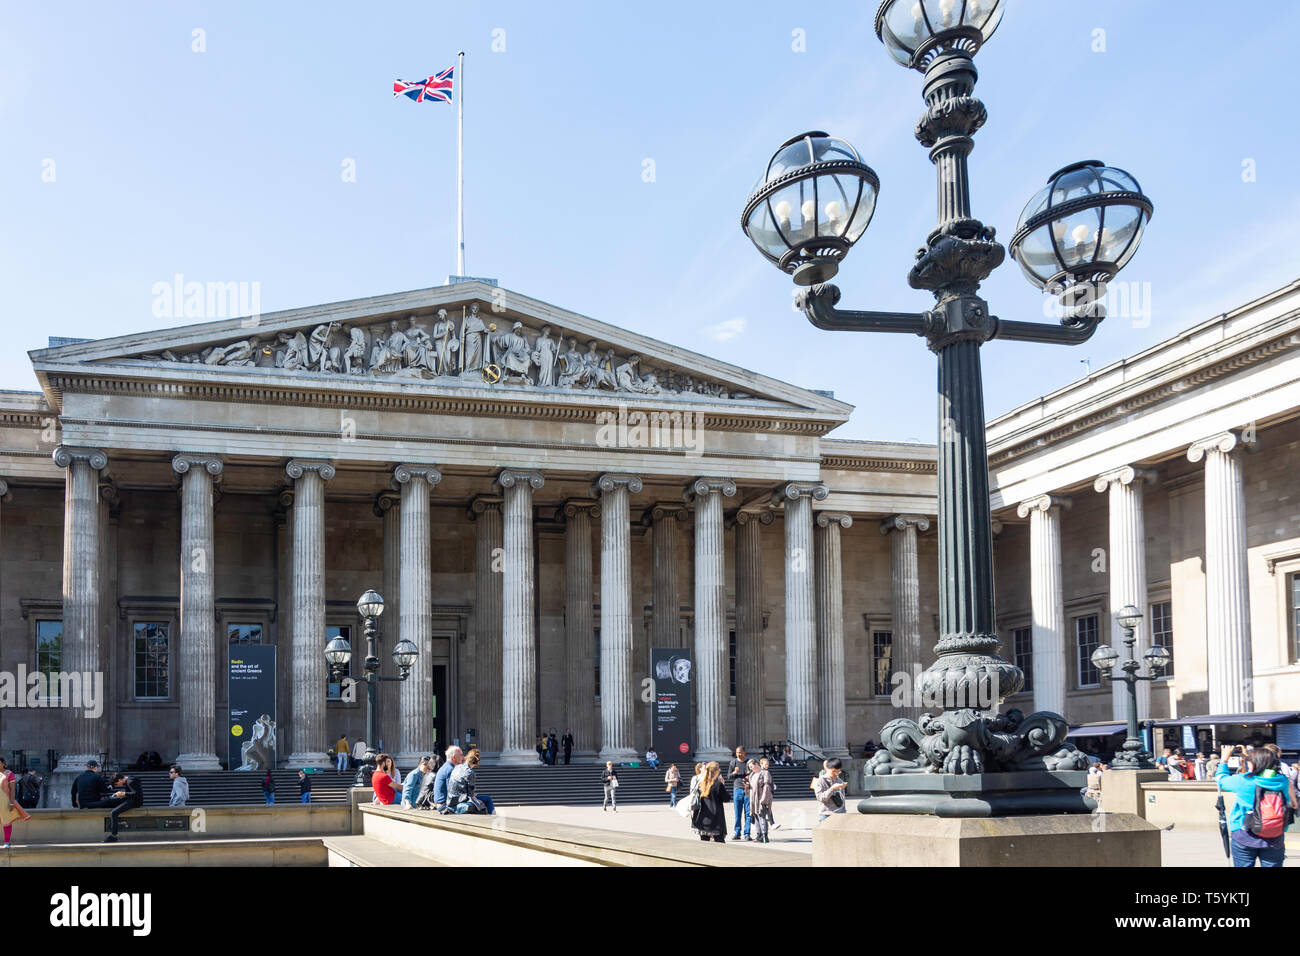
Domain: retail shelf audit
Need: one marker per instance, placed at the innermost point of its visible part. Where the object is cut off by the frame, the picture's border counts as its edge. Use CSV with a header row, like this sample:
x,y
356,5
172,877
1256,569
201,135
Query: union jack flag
x,y
436,88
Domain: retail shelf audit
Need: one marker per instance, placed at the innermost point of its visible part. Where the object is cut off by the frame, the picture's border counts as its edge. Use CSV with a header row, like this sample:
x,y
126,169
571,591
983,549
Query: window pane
x,y
1162,632
1022,639
1085,634
151,660
334,688
731,661
882,661
49,647
244,633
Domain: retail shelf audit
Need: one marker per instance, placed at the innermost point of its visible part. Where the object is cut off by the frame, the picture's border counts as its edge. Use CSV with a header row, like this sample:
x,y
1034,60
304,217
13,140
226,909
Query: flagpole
x,y
460,164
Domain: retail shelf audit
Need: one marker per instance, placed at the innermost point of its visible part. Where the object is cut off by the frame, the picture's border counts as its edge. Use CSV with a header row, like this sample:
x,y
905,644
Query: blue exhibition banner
x,y
251,686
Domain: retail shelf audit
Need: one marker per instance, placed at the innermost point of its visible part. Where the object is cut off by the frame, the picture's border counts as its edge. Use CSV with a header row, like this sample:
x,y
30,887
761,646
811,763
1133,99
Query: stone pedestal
x,y
1065,840
1121,790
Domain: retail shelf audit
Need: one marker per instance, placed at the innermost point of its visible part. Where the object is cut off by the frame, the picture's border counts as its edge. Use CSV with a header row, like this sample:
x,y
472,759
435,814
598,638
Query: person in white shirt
x,y
652,758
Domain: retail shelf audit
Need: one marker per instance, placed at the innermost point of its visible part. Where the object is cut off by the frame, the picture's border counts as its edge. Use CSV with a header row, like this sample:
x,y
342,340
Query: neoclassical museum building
x,y
541,498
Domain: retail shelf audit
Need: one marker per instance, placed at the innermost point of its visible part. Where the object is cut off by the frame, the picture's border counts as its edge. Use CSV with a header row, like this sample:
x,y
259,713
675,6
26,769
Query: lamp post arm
x,y
818,303
1067,333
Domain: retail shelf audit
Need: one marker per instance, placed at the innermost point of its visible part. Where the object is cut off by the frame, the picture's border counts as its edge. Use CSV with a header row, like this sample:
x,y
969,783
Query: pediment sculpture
x,y
474,349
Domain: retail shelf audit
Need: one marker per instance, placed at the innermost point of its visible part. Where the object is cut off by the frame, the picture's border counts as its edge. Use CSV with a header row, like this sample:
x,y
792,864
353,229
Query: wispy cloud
x,y
724,331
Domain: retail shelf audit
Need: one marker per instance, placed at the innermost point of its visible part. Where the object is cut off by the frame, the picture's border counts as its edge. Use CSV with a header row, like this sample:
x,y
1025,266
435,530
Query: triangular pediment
x,y
466,336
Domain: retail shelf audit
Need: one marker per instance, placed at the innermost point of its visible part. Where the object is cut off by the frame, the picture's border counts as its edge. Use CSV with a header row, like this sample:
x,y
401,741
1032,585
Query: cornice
x,y
1034,436
858,463
515,404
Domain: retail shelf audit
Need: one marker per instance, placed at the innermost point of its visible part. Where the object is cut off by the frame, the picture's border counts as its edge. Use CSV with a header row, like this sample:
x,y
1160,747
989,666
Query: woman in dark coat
x,y
709,817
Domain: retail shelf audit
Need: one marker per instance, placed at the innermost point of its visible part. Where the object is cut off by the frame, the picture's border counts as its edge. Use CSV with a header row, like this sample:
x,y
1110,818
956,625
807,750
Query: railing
x,y
774,749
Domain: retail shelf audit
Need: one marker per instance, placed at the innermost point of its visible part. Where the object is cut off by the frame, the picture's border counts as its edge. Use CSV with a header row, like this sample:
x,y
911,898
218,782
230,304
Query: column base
x,y
197,761
578,756
76,763
411,758
721,755
841,752
617,754
309,759
518,758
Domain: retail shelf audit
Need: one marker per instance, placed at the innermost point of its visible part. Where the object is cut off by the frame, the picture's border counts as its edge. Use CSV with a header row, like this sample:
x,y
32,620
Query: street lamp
x,y
338,652
1132,756
1075,234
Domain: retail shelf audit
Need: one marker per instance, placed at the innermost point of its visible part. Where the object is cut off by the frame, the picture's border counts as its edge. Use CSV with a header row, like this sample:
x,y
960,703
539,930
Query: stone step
x,y
367,851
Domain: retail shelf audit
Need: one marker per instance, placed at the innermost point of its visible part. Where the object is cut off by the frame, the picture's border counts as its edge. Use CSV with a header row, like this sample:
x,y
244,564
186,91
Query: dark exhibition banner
x,y
251,686
674,726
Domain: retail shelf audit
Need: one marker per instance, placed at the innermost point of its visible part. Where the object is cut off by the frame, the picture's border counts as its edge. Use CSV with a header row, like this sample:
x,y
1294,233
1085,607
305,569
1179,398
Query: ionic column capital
x,y
509,477
794,490
1043,503
4,490
109,493
673,510
825,519
65,455
608,482
701,487
297,467
481,504
572,507
1123,476
406,473
762,517
385,501
903,522
1224,442
184,461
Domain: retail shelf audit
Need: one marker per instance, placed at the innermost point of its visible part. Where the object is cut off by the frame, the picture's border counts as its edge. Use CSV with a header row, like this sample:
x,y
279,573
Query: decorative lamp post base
x,y
978,795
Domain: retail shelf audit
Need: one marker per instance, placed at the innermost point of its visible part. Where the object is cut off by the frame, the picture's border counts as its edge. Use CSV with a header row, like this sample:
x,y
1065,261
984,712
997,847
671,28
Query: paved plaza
x,y
1179,846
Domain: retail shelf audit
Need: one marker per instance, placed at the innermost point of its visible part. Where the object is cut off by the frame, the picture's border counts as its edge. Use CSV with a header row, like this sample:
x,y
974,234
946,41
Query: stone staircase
x,y
574,785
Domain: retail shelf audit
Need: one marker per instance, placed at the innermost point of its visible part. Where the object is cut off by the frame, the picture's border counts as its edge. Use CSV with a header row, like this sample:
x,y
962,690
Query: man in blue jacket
x,y
441,781
1261,772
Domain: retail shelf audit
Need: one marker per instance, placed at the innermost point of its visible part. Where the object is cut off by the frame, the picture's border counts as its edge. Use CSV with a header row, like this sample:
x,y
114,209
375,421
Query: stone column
x,y
518,648
81,597
712,688
282,516
750,722
666,615
579,628
198,638
617,692
1128,576
1044,513
415,727
1227,586
905,602
111,652
485,512
800,618
388,507
830,633
309,670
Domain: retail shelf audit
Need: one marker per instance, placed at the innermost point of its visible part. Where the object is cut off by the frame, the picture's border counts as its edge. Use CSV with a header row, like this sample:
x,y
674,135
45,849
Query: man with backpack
x,y
1263,807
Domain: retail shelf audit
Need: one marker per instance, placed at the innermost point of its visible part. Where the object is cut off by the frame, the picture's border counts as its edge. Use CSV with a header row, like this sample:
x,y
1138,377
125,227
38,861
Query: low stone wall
x,y
500,841
283,851
1189,804
64,826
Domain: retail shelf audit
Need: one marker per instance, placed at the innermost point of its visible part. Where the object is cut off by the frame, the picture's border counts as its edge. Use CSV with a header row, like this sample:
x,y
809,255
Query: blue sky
x,y
226,165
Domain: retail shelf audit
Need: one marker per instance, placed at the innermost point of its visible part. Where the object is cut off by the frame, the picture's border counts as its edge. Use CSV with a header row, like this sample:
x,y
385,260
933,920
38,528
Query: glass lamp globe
x,y
1104,658
1128,616
338,652
812,203
1084,226
370,604
405,654
1157,658
915,32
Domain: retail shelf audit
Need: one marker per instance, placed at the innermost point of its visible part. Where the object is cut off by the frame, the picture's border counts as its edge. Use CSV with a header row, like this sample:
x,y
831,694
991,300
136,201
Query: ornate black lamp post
x,y
338,652
1132,756
812,203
